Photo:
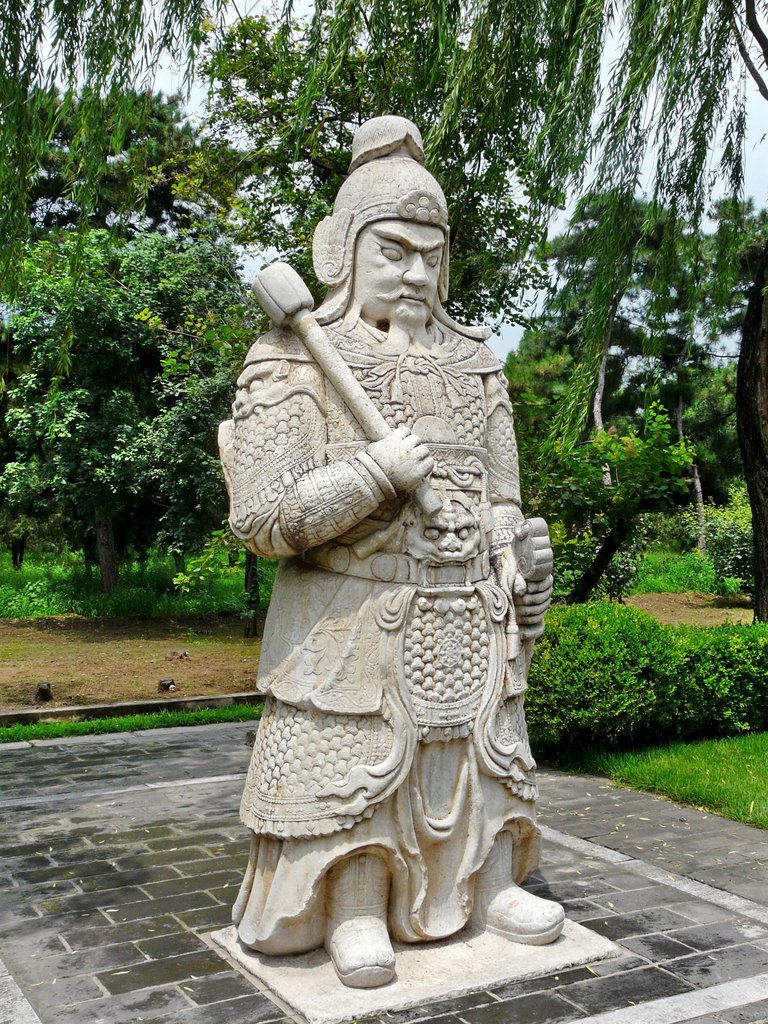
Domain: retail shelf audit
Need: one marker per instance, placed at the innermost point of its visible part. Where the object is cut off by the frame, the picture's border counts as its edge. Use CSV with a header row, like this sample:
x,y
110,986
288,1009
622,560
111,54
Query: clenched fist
x,y
532,599
403,458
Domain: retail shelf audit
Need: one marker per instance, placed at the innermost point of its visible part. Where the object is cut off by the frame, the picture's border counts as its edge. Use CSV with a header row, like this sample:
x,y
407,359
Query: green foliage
x,y
97,52
673,94
608,675
645,470
594,495
666,572
136,187
60,585
728,532
728,777
592,675
37,731
576,554
118,383
285,182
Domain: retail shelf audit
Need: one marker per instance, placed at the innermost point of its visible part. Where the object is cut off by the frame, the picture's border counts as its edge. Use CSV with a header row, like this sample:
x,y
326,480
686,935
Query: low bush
x,y
608,675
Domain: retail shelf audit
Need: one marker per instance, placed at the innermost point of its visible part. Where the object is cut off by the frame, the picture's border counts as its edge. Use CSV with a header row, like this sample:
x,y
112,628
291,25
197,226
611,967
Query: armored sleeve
x,y
503,467
284,498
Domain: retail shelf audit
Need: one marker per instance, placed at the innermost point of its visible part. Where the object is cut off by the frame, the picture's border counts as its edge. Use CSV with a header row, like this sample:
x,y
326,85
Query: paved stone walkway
x,y
119,853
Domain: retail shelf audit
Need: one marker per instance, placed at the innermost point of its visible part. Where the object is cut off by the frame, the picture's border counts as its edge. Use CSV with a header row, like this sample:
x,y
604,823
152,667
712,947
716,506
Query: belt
x,y
390,567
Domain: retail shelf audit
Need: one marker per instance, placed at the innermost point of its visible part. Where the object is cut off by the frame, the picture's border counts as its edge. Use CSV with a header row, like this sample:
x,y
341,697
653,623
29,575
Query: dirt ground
x,y
105,661
692,609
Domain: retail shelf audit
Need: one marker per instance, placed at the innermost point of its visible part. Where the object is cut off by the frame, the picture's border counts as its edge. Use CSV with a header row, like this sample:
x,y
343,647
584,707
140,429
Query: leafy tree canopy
x,y
99,52
286,180
123,444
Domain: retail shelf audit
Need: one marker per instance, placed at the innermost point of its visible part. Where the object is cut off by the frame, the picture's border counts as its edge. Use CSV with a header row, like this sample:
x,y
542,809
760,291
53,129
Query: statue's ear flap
x,y
442,284
332,248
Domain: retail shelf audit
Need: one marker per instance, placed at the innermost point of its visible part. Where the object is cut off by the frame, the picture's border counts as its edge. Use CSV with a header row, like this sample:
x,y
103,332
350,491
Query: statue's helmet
x,y
387,180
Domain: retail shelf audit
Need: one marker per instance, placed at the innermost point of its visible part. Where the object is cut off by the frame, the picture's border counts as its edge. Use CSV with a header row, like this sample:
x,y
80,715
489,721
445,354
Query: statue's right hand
x,y
403,458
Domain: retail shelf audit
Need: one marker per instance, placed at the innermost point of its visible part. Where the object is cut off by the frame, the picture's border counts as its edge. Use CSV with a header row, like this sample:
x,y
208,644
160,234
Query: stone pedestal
x,y
425,972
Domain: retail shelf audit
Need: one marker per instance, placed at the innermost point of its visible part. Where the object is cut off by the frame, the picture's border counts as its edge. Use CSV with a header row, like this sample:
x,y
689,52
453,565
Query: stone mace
x,y
287,301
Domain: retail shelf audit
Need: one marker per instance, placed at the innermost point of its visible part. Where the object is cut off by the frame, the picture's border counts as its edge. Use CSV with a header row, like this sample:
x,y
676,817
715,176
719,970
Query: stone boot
x,y
505,909
356,936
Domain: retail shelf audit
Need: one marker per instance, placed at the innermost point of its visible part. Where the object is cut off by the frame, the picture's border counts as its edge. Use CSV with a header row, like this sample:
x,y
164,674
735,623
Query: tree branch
x,y
756,29
761,85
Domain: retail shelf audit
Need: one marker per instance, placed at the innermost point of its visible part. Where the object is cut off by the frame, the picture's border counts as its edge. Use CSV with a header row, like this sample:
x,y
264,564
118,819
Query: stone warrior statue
x,y
391,789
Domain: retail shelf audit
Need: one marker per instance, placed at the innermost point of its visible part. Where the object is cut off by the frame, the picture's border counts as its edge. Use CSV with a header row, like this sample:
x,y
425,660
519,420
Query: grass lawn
x,y
129,723
728,777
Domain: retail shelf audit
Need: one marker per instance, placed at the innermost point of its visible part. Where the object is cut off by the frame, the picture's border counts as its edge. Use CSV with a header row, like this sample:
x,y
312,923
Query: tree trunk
x,y
693,472
597,401
252,596
698,498
106,550
17,551
752,425
593,574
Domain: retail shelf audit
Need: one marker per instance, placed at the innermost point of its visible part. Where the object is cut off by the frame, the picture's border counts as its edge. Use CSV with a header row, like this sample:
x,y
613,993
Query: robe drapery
x,y
393,721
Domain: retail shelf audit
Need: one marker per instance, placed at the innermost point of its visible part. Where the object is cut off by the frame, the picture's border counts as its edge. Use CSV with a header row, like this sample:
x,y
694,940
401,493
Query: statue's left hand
x,y
532,598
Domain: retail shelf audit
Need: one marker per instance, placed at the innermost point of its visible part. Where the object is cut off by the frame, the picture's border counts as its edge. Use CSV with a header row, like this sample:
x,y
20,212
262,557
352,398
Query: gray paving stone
x,y
172,969
113,897
753,1013
541,1008
658,948
551,982
218,987
640,899
727,933
171,945
703,913
720,965
624,989
245,1010
180,885
146,876
128,1008
96,931
144,908
642,922
443,1009
47,996
90,961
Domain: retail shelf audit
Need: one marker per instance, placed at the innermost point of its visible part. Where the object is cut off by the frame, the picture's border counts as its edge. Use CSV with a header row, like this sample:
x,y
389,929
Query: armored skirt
x,y
392,725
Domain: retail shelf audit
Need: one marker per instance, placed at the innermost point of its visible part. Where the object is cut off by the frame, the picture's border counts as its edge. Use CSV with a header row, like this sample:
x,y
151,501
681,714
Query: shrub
x,y
610,675
574,555
728,530
592,677
664,572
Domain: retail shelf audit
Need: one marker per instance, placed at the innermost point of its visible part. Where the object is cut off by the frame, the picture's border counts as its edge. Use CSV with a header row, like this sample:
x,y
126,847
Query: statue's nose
x,y
417,271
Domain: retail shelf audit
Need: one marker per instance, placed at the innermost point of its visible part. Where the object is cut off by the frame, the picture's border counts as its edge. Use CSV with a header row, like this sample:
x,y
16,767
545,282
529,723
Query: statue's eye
x,y
432,533
433,259
391,254
463,533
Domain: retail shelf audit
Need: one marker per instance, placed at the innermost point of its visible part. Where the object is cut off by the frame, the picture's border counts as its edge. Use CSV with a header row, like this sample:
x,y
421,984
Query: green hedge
x,y
607,674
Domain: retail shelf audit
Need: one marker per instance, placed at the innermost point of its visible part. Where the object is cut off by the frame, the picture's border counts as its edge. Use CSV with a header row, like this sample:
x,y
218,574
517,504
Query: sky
x,y
508,337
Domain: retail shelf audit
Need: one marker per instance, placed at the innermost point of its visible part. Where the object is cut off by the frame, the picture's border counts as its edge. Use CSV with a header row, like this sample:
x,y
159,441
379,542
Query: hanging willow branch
x,y
100,49
670,107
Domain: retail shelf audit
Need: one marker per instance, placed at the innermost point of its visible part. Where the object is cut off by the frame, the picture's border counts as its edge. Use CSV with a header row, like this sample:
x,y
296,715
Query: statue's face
x,y
397,269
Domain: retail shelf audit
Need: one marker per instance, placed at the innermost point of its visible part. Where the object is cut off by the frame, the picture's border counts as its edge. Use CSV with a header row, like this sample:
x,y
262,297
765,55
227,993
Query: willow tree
x,y
96,54
671,98
548,109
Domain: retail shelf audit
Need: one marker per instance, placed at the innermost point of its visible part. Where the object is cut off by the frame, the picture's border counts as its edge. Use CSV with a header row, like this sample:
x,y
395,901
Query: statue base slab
x,y
426,972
